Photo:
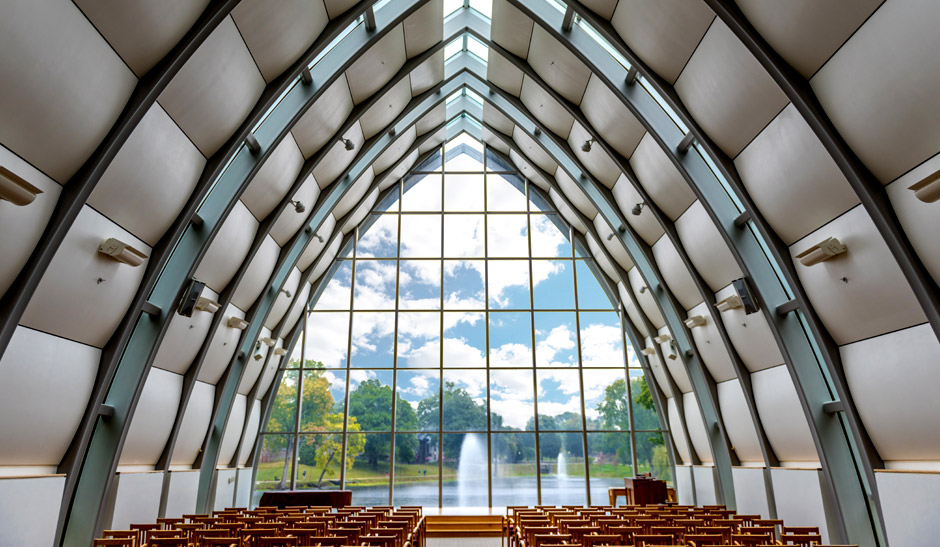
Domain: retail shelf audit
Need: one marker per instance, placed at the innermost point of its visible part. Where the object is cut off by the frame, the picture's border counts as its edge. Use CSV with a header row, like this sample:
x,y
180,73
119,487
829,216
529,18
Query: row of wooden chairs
x,y
674,525
382,526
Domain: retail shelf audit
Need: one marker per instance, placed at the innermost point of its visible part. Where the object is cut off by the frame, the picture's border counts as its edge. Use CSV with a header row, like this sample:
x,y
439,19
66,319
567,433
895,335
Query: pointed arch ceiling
x,y
655,150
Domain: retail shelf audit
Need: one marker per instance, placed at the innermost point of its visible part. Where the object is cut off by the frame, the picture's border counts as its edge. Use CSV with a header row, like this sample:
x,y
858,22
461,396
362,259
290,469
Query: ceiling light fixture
x,y
319,237
286,292
350,145
586,147
638,208
16,189
299,207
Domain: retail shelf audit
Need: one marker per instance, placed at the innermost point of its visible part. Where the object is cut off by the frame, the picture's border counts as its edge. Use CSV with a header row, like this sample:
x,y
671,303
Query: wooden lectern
x,y
644,490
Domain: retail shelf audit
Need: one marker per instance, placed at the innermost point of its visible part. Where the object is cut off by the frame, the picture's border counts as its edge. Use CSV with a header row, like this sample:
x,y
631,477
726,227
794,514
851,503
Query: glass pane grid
x,y
477,316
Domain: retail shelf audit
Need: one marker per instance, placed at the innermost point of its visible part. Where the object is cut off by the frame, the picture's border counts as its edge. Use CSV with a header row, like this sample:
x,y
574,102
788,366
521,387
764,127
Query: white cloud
x,y
511,355
547,347
601,346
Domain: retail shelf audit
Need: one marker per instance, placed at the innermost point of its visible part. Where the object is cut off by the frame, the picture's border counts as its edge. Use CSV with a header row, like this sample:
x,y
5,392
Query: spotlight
x,y
643,289
348,144
638,208
319,237
286,292
610,236
586,147
299,207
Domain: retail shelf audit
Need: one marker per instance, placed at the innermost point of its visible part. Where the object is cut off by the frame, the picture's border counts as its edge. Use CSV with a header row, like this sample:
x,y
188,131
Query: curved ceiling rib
x,y
93,456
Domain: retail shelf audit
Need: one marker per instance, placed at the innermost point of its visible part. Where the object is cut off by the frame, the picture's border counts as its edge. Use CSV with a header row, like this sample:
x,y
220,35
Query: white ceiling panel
x,y
533,151
727,90
511,28
337,160
706,248
663,33
424,28
504,74
314,247
557,66
428,74
497,120
290,220
278,37
215,90
645,224
546,109
324,118
395,152
574,193
792,179
805,32
920,220
273,179
432,119
53,117
676,274
660,178
386,109
228,249
376,66
610,118
142,32
612,244
337,7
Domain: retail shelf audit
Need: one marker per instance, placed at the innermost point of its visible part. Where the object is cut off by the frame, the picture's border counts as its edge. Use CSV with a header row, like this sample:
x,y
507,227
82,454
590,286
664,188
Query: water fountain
x,y
471,468
562,466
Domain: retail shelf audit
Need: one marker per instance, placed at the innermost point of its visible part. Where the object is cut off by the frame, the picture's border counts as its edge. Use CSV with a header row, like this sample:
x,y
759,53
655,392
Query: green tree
x,y
371,404
461,413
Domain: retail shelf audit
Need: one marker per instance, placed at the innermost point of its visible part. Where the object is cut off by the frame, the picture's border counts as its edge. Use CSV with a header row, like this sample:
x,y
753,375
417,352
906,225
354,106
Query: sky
x,y
440,288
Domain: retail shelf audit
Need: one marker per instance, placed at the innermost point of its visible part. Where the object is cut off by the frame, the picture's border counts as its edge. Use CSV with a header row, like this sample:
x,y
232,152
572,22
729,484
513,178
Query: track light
x,y
822,251
16,189
299,207
319,237
643,289
350,145
638,208
207,305
926,190
237,323
119,251
610,236
286,292
586,147
695,321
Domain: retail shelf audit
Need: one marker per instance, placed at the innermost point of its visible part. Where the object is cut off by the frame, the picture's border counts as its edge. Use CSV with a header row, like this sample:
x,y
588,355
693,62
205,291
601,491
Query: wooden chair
x,y
378,540
600,539
803,540
143,531
275,541
751,540
326,541
133,535
218,541
801,529
642,540
699,540
168,542
114,542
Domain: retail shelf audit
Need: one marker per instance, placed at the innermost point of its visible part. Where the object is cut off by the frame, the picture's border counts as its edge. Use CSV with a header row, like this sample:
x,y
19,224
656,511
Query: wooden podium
x,y
284,498
644,490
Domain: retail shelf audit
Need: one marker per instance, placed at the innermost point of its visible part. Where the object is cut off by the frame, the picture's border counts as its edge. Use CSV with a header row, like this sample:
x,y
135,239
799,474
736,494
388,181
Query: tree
x,y
461,413
371,404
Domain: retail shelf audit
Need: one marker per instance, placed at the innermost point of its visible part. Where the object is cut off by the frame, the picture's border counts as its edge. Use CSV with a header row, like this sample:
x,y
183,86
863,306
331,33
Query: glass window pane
x,y
561,461
421,236
463,284
555,339
323,400
327,338
505,192
421,390
601,339
320,456
464,340
651,456
463,236
378,237
421,193
419,339
514,469
554,284
375,284
605,399
416,471
511,400
336,294
420,285
297,354
465,400
644,412
508,284
610,457
372,339
559,395
370,400
274,464
548,239
463,192
590,294
507,236
465,470
284,408
367,474
510,339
